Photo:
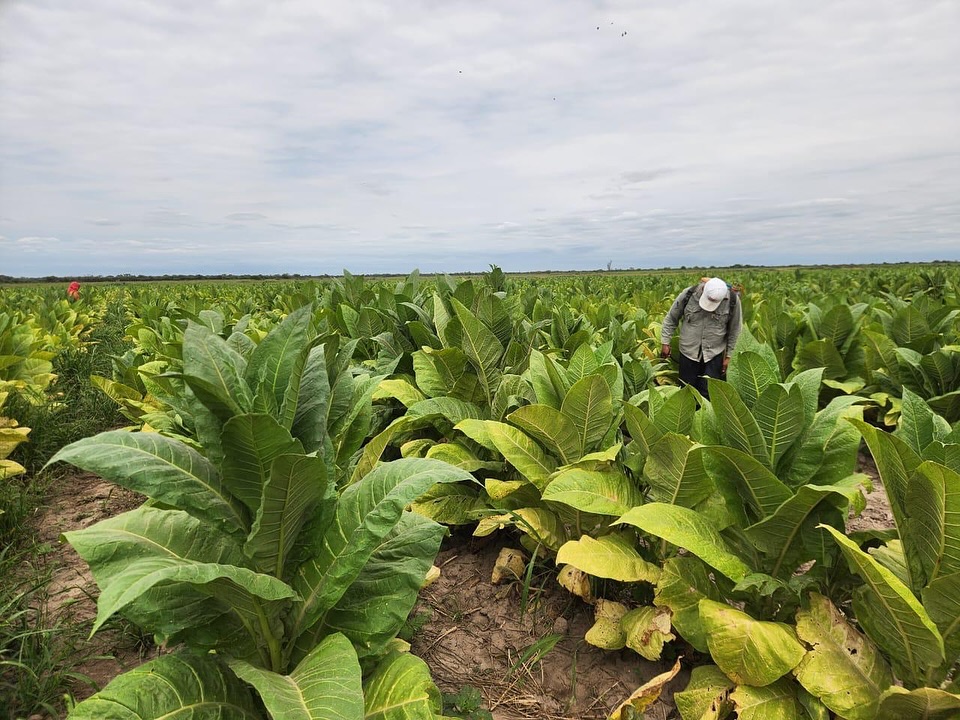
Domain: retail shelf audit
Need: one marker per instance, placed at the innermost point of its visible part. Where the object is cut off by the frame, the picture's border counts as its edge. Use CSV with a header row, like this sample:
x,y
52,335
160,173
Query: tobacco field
x,y
293,477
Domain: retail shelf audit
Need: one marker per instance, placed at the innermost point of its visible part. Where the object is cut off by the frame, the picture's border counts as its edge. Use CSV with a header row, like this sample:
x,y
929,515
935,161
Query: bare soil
x,y
469,631
75,502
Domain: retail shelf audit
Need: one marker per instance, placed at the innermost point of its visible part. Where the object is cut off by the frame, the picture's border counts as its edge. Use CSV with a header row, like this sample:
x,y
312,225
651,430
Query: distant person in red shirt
x,y
73,292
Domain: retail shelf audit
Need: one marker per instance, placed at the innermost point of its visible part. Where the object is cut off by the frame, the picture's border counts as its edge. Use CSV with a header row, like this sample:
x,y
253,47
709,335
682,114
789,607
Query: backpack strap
x,y
687,295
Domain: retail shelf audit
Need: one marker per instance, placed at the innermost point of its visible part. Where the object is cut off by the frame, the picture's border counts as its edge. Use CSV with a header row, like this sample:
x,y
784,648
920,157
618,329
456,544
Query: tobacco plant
x,y
246,555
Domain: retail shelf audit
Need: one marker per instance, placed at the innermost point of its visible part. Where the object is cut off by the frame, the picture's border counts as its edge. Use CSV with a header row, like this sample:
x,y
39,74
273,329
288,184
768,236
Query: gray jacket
x,y
703,335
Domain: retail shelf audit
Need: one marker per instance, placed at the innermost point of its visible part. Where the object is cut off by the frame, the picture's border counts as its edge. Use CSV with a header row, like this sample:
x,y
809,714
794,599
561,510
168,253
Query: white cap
x,y
714,291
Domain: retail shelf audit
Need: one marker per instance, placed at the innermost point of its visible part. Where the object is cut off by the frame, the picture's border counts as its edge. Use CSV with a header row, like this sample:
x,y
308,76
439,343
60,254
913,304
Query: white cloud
x,y
376,136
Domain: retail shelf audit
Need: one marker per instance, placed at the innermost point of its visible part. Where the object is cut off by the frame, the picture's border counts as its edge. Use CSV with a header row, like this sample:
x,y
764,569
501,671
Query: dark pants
x,y
695,372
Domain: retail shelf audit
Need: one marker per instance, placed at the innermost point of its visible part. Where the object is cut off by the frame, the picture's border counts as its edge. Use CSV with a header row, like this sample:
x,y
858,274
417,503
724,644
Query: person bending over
x,y
710,318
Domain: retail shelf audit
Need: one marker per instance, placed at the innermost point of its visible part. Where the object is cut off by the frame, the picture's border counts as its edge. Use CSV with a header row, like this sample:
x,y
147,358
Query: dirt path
x,y
76,502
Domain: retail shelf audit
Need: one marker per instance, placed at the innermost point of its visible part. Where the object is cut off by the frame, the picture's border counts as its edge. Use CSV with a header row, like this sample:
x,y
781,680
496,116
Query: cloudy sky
x,y
165,136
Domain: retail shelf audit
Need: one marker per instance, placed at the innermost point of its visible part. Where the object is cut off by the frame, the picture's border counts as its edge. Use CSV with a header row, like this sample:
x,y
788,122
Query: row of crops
x,y
304,445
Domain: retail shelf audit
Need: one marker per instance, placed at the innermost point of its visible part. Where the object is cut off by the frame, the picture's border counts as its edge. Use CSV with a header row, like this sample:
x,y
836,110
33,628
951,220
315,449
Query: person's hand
x,y
665,351
726,361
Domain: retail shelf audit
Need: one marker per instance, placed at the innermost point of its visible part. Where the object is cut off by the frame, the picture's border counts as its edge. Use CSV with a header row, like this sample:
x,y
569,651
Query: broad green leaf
x,y
169,688
779,413
133,552
324,686
348,429
215,372
896,463
603,493
642,430
541,379
374,449
750,375
708,688
478,431
399,389
270,365
295,486
677,412
118,392
582,363
376,605
837,325
684,581
842,668
919,425
782,535
551,427
911,329
945,454
933,526
449,503
482,348
609,556
513,392
921,704
941,599
822,354
891,616
738,427
748,343
290,401
942,369
947,405
589,406
675,472
401,689
459,455
686,528
160,468
451,409
312,401
367,511
760,488
777,701
251,443
750,652
827,450
521,452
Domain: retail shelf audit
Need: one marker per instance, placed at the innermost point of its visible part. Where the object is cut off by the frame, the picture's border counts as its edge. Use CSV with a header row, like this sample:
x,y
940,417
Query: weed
x,y
39,656
466,704
535,652
414,624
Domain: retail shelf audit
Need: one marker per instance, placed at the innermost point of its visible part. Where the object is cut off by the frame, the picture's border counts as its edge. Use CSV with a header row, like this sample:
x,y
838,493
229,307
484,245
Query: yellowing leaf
x,y
576,581
750,652
843,668
510,566
645,695
609,556
647,629
606,632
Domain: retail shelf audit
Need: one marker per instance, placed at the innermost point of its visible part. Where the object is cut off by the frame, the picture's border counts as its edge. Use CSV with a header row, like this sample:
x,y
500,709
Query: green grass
x,y
40,654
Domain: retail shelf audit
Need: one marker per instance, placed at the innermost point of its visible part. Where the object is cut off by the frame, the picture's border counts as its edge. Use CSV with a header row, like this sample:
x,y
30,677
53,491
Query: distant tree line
x,y
127,277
